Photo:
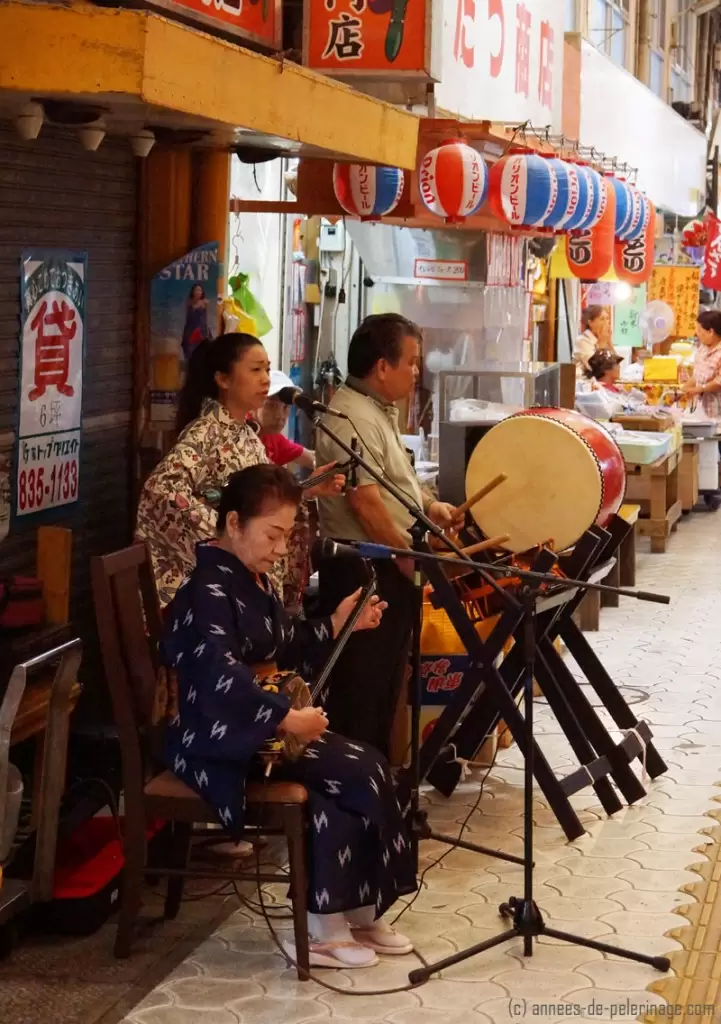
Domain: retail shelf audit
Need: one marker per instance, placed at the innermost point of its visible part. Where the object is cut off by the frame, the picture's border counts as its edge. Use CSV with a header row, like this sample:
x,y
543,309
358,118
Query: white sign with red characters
x,y
51,381
503,61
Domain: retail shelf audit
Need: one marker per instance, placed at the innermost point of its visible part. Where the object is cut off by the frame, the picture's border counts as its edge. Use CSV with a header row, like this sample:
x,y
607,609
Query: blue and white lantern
x,y
624,205
641,211
522,189
595,200
366,191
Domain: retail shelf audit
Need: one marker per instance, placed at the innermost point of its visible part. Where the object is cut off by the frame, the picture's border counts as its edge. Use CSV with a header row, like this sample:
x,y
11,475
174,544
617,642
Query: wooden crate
x,y
655,488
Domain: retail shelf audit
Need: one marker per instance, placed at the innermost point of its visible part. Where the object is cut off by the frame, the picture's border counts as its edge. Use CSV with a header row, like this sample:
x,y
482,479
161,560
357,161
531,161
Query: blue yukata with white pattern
x,y
223,620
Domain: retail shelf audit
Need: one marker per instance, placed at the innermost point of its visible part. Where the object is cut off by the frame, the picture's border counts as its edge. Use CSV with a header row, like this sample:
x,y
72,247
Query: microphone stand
x,y
419,827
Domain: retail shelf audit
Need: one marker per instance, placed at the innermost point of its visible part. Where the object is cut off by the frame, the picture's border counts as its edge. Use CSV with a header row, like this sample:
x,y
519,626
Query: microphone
x,y
290,396
328,548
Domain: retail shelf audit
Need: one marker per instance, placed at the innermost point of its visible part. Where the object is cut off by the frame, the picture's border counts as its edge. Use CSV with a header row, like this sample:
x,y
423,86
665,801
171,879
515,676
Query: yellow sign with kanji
x,y
679,288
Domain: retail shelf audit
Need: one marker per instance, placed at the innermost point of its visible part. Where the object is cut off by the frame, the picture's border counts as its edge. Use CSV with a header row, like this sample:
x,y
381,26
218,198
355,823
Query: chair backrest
x,y
128,617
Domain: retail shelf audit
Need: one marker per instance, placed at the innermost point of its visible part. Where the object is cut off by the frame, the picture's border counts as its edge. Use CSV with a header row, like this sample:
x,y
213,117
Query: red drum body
x,y
565,473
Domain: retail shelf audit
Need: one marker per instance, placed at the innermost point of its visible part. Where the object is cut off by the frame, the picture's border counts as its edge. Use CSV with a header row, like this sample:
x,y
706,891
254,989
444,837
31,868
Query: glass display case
x,y
512,384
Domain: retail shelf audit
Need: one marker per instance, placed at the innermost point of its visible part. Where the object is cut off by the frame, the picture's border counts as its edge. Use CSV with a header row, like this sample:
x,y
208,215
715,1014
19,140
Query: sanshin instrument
x,y
300,693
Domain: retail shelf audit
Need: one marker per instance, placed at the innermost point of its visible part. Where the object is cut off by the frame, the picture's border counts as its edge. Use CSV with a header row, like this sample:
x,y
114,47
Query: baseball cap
x,y
279,381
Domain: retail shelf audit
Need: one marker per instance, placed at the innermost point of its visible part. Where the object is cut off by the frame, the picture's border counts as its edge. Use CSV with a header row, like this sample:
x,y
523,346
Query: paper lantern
x,y
590,252
452,181
633,258
624,205
595,199
366,191
638,220
522,189
560,194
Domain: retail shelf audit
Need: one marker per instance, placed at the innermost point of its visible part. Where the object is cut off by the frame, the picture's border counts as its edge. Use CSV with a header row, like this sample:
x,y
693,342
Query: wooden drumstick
x,y
482,545
475,498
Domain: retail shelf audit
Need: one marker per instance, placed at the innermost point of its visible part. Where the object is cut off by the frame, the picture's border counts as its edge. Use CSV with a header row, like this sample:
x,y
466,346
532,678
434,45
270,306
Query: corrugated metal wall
x,y
55,194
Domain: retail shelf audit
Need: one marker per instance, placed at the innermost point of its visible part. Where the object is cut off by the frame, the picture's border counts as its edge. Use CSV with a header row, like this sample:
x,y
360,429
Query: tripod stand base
x,y
528,924
420,829
474,848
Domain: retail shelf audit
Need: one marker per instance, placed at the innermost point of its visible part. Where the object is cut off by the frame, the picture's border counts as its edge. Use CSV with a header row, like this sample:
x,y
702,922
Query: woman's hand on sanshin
x,y
306,724
369,618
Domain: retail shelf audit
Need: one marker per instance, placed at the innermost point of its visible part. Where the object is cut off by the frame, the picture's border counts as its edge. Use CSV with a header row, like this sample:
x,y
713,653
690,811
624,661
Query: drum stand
x,y
528,922
473,713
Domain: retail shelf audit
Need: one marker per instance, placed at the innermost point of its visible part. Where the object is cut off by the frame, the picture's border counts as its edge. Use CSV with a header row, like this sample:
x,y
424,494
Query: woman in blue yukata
x,y
223,625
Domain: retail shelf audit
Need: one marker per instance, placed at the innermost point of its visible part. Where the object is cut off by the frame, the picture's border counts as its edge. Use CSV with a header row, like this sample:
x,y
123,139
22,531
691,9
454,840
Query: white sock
x,y
361,917
329,928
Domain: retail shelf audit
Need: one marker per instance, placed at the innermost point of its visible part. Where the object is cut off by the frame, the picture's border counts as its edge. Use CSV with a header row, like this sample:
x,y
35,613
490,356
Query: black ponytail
x,y
207,359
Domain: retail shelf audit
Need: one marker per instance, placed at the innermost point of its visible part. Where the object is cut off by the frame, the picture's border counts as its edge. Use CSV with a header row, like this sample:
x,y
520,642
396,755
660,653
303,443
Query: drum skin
x,y
564,472
610,458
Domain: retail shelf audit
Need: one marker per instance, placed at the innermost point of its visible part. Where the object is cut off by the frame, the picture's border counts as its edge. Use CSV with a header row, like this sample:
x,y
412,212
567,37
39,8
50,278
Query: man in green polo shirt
x,y
365,684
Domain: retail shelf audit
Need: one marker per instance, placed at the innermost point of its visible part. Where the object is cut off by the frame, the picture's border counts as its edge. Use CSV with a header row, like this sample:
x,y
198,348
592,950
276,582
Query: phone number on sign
x,y
48,472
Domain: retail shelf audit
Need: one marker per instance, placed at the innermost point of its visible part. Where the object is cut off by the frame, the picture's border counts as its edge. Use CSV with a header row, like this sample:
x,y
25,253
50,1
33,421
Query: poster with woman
x,y
183,312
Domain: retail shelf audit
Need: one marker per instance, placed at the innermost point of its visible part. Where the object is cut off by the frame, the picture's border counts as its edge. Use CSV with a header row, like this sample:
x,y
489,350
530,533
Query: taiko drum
x,y
564,474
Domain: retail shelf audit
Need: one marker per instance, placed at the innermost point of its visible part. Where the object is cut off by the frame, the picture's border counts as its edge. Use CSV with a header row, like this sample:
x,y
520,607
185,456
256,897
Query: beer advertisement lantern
x,y
560,194
638,219
523,189
596,197
453,181
633,257
624,205
590,252
366,191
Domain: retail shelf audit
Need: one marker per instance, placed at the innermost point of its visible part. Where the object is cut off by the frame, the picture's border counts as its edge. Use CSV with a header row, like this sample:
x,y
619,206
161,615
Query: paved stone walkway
x,y
622,880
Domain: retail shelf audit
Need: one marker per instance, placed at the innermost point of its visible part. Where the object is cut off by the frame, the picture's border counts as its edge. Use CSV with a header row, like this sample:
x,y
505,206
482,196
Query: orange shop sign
x,y
258,21
383,39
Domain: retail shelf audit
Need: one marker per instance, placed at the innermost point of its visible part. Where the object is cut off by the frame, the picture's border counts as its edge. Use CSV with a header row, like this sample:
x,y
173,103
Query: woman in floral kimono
x,y
227,381
223,625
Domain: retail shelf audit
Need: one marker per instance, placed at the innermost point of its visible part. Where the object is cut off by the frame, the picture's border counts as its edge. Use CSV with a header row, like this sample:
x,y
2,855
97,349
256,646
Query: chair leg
x,y
294,825
180,854
134,853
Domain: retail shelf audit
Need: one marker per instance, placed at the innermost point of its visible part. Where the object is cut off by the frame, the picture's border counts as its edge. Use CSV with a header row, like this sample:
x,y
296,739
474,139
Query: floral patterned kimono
x,y
223,624
176,512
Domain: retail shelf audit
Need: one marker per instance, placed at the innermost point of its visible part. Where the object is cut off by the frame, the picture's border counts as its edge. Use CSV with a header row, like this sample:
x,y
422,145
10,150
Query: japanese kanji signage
x,y
52,344
503,61
256,20
679,287
712,255
626,330
384,39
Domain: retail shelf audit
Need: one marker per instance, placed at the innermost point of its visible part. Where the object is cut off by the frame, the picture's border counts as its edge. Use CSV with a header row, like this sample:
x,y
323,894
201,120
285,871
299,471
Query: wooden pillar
x,y
163,236
210,209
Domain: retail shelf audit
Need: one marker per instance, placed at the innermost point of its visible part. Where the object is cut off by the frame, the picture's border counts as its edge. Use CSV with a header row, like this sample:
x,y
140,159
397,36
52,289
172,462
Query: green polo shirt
x,y
374,422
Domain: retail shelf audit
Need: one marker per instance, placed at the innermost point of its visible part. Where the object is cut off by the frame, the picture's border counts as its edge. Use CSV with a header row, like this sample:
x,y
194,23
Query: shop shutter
x,y
55,194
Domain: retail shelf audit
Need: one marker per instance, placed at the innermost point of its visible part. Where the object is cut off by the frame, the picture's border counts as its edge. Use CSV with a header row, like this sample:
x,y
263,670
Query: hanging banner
x,y
626,331
679,287
383,39
712,255
52,344
183,305
503,61
258,21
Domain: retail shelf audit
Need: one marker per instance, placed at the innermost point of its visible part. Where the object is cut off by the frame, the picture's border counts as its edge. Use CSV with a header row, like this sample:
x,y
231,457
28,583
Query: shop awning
x,y
145,70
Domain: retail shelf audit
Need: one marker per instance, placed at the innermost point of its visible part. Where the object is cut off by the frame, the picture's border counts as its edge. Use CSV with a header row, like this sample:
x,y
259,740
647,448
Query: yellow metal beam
x,y
89,51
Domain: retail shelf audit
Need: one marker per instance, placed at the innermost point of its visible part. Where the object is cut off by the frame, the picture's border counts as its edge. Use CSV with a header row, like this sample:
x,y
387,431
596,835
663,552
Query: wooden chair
x,y
129,623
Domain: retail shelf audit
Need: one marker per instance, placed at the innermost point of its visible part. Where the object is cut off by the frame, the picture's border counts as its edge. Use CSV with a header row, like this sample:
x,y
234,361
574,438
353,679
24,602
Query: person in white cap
x,y
272,418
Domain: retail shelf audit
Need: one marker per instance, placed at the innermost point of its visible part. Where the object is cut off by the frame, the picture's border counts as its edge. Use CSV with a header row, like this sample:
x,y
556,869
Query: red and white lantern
x,y
366,191
452,181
